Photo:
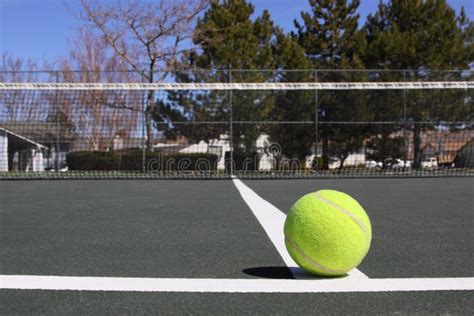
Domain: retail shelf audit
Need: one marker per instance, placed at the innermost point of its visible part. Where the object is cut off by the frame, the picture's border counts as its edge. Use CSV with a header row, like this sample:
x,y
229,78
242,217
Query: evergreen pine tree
x,y
422,37
332,40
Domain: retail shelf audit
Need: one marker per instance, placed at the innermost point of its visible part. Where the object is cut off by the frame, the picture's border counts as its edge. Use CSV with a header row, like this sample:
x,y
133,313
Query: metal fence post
x,y
316,122
58,124
143,95
231,128
405,144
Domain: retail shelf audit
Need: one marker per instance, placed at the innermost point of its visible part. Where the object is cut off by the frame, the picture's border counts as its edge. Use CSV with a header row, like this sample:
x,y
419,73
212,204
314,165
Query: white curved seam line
x,y
311,261
354,218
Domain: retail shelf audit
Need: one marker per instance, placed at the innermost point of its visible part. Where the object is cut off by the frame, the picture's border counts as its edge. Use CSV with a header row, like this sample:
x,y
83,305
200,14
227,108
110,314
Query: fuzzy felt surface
x,y
327,232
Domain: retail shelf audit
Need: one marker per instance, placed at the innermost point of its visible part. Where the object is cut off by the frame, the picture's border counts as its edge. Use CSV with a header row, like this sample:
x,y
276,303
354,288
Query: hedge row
x,y
242,161
92,160
132,160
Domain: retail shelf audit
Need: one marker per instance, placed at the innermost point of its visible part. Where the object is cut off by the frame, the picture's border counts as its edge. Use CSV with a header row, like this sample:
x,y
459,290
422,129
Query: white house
x,y
15,147
353,160
267,161
3,150
219,147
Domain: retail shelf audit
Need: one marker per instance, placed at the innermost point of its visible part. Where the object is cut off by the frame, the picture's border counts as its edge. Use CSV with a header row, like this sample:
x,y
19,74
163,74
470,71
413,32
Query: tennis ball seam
x,y
346,212
313,263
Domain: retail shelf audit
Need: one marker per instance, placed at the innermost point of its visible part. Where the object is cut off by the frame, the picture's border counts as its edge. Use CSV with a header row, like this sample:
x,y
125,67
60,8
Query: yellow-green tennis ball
x,y
327,233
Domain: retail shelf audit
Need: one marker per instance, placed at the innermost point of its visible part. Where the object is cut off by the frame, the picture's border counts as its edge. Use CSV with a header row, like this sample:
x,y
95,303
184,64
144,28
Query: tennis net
x,y
290,125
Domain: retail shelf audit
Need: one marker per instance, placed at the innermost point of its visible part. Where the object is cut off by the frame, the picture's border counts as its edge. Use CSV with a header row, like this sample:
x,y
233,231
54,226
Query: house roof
x,y
40,132
21,138
454,146
466,145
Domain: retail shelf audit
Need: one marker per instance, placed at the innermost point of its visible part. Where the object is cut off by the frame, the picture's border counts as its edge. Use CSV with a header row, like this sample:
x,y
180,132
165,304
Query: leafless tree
x,y
97,116
19,105
150,37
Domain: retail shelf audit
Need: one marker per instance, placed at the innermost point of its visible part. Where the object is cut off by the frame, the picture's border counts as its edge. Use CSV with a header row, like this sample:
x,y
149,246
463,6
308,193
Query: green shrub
x,y
243,161
157,161
317,163
189,162
132,160
92,161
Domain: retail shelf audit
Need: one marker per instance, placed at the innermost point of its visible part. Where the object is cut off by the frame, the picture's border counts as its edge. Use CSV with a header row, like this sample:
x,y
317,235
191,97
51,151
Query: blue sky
x,y
41,29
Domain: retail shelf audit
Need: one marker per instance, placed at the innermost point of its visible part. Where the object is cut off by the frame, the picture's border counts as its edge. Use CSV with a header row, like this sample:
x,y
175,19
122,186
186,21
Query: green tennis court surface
x,y
194,246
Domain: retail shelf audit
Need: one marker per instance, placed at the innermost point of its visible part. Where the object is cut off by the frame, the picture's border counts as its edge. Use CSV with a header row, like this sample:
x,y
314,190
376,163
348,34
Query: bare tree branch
x,y
147,36
158,33
97,116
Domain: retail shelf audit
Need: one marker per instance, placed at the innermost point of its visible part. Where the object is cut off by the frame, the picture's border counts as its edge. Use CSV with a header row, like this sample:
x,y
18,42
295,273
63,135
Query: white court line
x,y
346,284
272,221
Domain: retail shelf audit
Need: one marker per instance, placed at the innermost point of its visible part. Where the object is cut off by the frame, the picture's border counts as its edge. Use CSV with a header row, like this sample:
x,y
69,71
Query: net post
x,y
231,130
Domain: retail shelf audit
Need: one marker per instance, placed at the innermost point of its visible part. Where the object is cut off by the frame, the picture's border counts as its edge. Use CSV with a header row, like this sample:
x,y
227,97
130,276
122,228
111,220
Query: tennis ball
x,y
327,233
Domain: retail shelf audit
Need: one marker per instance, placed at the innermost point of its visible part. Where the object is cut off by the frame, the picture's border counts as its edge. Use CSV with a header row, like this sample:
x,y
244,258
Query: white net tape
x,y
243,86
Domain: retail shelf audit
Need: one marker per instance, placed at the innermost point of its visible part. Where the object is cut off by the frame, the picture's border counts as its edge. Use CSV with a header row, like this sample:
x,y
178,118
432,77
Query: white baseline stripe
x,y
347,284
272,221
